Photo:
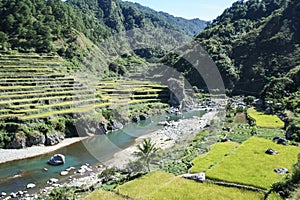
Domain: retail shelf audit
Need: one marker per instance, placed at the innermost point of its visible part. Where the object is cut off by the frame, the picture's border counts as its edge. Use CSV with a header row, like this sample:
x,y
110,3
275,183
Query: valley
x,y
147,105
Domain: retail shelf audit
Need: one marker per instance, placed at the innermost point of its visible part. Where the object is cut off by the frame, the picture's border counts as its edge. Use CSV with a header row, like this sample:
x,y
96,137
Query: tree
x,y
147,151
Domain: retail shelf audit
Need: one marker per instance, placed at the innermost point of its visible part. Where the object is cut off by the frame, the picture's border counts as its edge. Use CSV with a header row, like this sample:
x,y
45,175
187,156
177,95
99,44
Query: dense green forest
x,y
252,43
255,45
75,28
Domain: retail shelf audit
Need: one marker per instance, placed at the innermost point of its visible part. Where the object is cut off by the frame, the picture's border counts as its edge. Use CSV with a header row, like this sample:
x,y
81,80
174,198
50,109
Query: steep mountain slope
x,y
190,27
75,28
251,42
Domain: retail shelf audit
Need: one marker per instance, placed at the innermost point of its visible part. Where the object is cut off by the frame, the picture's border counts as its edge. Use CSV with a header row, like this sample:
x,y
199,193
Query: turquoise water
x,y
14,176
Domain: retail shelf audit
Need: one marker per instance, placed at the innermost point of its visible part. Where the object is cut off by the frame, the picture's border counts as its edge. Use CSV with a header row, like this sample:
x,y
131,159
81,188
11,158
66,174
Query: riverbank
x,y
165,138
7,155
169,134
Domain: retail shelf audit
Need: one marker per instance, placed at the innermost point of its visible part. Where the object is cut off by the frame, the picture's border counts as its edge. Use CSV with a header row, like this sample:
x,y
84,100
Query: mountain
x,y
251,43
47,49
75,29
191,27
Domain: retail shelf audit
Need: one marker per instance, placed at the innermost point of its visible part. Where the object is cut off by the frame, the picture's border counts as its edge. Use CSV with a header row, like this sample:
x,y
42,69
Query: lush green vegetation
x,y
74,29
146,151
216,154
160,185
253,43
250,165
104,195
288,186
35,95
264,120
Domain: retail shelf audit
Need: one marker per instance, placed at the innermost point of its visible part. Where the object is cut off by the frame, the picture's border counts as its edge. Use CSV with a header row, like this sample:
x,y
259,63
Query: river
x,y
15,175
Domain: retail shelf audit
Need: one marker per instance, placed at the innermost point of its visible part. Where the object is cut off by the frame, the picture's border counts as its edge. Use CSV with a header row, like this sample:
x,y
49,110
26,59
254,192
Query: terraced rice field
x,y
265,121
34,86
159,185
248,164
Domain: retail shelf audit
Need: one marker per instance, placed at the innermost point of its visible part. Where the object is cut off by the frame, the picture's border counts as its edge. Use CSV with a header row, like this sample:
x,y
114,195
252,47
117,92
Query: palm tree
x,y
146,151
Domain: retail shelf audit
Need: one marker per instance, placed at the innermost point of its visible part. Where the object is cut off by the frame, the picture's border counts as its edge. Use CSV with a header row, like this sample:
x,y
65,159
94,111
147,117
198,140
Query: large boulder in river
x,y
143,117
30,186
115,125
57,159
135,119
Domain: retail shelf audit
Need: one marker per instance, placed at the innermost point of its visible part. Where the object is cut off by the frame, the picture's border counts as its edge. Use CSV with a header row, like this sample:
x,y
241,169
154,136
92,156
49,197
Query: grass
x,y
242,132
79,109
103,195
218,152
250,165
39,79
160,185
84,96
266,121
45,94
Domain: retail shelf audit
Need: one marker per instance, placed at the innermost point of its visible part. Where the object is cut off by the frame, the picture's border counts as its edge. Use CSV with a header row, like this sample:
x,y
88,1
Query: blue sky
x,y
203,9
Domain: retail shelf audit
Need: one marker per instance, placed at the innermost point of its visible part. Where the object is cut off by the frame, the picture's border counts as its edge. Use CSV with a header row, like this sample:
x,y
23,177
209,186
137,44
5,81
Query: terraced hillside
x,y
37,87
38,98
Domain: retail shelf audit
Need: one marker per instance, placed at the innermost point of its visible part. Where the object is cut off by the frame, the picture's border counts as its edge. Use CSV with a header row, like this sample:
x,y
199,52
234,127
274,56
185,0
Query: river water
x,y
15,175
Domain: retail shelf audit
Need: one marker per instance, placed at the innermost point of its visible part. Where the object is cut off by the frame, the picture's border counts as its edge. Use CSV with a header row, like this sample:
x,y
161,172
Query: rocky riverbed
x,y
171,133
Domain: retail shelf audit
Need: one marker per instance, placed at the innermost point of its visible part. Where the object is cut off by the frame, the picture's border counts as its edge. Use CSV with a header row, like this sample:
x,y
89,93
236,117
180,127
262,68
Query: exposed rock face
x,y
102,128
53,138
35,138
115,125
86,128
177,93
18,142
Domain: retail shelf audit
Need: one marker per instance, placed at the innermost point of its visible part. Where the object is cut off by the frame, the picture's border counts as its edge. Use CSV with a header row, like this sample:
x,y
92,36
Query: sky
x,y
203,9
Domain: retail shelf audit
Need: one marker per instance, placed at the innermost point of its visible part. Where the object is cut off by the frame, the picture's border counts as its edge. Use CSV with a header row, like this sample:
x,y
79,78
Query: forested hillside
x,y
252,43
190,27
74,28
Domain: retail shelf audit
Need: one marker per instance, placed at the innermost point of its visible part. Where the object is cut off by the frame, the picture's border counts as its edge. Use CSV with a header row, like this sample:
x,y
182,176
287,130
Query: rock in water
x,y
53,180
143,117
57,159
13,195
64,173
135,119
30,186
